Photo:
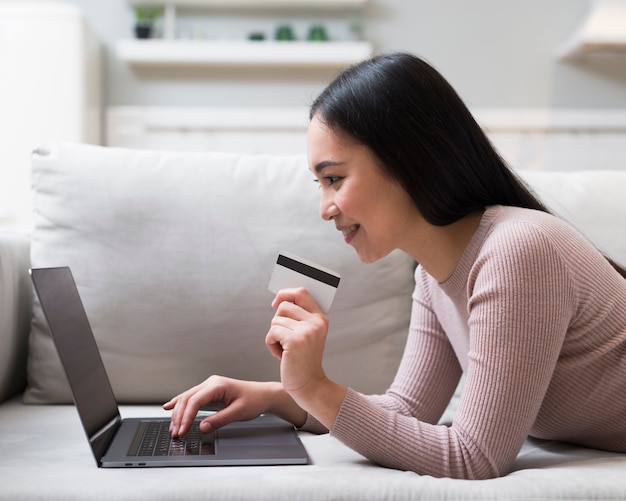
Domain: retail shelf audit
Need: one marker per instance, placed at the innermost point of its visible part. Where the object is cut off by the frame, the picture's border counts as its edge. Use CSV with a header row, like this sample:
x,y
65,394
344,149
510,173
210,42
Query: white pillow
x,y
592,201
172,254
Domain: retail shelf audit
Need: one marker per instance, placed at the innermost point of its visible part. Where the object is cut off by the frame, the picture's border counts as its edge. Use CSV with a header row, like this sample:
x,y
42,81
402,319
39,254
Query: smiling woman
x,y
367,206
505,292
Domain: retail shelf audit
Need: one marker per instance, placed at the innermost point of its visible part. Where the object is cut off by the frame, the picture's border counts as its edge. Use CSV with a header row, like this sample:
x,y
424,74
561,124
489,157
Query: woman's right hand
x,y
242,400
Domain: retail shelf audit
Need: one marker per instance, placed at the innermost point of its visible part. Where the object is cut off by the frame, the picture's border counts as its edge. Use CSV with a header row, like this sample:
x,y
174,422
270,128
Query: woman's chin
x,y
367,257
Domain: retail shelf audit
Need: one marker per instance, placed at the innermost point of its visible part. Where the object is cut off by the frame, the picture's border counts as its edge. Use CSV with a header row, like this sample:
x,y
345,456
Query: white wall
x,y
497,53
49,89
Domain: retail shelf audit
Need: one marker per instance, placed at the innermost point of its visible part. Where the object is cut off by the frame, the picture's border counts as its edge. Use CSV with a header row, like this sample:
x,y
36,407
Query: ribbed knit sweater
x,y
535,317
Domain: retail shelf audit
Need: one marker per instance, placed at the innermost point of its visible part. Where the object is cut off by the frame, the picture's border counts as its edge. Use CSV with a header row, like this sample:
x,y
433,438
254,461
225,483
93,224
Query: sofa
x,y
172,254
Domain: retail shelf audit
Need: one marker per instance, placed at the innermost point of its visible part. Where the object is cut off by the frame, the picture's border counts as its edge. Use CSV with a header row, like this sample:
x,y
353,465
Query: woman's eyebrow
x,y
319,167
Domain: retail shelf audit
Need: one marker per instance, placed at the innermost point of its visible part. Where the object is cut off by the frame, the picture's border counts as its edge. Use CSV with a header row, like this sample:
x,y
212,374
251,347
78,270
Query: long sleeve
x,y
428,362
518,316
535,317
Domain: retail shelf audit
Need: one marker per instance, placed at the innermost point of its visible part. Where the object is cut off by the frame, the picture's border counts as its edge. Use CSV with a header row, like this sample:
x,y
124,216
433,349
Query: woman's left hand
x,y
297,338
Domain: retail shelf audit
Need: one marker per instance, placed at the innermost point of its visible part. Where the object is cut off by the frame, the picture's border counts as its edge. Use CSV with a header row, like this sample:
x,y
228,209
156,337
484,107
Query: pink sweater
x,y
536,319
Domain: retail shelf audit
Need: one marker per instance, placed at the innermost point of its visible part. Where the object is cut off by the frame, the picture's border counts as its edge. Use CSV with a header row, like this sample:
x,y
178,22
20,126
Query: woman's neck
x,y
438,249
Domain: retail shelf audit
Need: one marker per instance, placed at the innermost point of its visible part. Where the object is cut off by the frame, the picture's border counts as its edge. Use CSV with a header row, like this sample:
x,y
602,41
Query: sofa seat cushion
x,y
46,443
172,254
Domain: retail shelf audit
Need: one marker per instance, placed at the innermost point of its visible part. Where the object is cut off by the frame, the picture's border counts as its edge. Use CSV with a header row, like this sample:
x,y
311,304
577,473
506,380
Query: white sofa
x,y
172,253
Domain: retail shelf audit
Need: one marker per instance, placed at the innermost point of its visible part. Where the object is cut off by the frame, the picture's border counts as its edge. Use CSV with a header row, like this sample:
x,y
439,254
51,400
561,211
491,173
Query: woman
x,y
505,292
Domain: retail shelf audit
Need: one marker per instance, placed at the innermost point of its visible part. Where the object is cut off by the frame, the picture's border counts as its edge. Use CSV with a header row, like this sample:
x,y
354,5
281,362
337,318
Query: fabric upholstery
x,y
57,455
592,201
172,254
15,312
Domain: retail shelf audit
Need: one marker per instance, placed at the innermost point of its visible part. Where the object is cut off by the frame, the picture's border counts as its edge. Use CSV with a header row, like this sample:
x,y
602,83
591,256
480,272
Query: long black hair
x,y
424,137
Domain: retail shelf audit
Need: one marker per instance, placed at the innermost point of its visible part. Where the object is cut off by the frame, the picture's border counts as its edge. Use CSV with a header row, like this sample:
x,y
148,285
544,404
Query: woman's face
x,y
373,212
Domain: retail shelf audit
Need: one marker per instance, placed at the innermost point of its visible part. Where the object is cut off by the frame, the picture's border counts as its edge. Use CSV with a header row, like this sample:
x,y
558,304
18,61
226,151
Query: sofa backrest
x,y
172,254
592,201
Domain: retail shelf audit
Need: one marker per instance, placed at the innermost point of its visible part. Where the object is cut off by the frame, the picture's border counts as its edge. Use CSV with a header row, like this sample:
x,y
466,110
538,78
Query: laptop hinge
x,y
102,438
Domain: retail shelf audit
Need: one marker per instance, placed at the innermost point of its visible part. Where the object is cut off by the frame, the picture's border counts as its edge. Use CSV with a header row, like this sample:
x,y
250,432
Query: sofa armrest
x,y
15,311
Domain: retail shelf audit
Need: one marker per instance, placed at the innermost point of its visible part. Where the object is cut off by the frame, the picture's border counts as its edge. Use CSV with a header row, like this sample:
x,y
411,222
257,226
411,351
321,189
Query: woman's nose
x,y
328,209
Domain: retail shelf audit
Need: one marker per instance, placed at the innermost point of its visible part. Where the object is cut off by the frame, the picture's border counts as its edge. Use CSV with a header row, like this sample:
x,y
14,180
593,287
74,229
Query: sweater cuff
x,y
312,425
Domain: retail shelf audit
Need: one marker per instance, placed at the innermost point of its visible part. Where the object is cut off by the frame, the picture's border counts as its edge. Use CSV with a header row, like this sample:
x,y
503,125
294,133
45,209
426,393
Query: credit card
x,y
292,271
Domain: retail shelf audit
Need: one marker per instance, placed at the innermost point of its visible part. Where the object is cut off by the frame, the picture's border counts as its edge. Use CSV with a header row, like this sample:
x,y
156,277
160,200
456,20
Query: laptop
x,y
145,442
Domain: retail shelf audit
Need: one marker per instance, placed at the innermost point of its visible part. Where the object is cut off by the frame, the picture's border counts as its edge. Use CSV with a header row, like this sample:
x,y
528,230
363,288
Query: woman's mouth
x,y
349,232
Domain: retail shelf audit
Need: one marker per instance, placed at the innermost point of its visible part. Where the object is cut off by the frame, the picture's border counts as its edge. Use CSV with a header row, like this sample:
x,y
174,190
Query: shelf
x,y
171,50
242,53
602,33
257,4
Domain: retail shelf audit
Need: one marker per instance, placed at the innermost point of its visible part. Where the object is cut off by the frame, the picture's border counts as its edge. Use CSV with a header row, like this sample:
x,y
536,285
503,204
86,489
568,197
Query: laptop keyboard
x,y
153,439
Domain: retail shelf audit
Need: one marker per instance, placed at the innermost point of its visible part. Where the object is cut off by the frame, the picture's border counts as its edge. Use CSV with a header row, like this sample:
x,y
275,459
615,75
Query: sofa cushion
x,y
30,458
592,201
172,254
15,312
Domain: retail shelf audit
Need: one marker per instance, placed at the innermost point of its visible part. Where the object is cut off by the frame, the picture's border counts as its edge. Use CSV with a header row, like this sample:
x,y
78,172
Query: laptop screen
x,y
78,351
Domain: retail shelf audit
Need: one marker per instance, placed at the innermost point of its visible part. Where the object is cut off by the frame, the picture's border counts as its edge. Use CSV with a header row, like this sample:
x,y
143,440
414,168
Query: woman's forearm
x,y
283,406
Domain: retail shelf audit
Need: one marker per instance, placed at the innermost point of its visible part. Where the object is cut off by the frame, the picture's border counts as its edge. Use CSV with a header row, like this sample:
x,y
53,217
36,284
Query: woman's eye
x,y
328,180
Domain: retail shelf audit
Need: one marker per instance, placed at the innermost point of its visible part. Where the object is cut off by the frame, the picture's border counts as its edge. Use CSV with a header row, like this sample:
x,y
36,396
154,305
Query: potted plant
x,y
145,16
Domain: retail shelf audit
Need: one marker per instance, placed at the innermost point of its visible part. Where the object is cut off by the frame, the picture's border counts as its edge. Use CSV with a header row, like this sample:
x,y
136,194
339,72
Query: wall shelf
x,y
258,4
166,52
172,50
602,33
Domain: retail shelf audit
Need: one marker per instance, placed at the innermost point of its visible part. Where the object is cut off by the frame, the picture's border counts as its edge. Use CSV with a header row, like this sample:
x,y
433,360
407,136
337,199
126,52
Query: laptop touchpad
x,y
264,437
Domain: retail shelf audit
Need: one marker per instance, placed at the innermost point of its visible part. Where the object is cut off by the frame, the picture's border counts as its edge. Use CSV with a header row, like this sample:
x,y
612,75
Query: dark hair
x,y
423,136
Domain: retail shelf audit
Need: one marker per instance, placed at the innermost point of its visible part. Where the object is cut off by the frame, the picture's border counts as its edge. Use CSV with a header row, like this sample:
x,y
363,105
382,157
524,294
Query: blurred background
x,y
239,74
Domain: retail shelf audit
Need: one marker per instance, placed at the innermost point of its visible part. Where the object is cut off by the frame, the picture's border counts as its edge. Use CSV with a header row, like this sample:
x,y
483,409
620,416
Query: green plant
x,y
146,14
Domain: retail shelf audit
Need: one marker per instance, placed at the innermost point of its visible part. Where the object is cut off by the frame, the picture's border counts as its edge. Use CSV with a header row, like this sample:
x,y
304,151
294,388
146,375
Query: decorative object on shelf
x,y
145,16
357,29
317,33
256,36
285,33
